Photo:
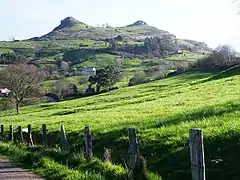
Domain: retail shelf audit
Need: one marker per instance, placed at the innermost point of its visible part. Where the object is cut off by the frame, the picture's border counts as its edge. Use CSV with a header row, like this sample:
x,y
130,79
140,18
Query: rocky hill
x,y
68,23
72,29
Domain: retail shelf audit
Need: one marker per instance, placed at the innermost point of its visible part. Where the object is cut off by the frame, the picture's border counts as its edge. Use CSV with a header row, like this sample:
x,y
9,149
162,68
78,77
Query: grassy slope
x,y
227,73
162,111
130,65
96,33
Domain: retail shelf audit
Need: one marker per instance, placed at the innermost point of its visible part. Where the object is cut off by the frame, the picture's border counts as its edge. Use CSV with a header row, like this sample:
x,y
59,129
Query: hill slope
x,y
70,28
162,111
227,73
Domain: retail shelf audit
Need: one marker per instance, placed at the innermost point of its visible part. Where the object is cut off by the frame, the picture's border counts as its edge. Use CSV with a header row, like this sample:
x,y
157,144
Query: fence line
x,y
195,144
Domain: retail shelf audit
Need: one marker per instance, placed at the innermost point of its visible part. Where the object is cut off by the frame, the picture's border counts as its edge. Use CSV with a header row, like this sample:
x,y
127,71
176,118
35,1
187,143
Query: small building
x,y
4,92
89,71
179,52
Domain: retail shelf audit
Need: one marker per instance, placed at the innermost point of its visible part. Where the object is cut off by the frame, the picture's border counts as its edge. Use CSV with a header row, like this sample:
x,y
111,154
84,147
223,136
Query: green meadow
x,y
163,111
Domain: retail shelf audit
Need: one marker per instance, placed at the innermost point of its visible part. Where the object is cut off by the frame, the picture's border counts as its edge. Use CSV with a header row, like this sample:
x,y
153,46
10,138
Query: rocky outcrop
x,y
139,23
67,22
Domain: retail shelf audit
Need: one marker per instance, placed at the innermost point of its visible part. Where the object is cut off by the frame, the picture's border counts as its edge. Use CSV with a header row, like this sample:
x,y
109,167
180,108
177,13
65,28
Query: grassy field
x,y
162,111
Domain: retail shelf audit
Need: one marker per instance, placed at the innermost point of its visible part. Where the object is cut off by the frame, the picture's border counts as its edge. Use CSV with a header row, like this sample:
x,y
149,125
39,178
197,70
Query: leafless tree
x,y
224,55
22,80
62,88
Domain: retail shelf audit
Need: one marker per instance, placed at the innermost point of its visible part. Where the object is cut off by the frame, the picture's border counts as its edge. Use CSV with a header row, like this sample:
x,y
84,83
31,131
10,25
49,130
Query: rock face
x,y
139,23
67,22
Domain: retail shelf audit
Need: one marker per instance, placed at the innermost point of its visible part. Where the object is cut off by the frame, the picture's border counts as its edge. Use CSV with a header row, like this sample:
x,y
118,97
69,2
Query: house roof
x,y
4,90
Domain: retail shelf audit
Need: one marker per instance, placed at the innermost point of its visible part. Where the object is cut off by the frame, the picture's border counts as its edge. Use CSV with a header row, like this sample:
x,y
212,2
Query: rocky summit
x,y
67,23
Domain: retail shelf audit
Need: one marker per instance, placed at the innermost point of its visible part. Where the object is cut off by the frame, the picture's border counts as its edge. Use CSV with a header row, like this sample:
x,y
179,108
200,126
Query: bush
x,y
63,89
222,58
184,66
159,75
83,79
5,104
138,78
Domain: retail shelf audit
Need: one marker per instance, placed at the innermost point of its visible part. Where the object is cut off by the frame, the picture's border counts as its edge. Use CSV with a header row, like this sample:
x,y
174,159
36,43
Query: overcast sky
x,y
212,21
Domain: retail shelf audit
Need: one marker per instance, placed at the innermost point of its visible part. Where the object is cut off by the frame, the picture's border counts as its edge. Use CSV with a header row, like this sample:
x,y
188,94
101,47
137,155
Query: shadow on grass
x,y
233,71
195,75
221,158
171,161
200,114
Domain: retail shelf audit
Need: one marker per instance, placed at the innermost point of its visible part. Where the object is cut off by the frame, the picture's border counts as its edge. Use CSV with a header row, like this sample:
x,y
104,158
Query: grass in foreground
x,y
53,164
162,111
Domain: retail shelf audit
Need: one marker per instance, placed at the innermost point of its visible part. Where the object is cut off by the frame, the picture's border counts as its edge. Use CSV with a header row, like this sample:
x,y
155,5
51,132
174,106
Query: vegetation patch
x,y
163,112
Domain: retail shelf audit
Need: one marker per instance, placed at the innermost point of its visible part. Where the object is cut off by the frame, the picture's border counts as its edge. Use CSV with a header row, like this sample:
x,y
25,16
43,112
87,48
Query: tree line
x,y
24,81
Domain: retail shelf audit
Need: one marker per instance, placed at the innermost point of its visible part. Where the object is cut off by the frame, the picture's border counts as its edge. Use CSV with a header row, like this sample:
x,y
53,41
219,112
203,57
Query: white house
x,y
89,71
179,52
4,92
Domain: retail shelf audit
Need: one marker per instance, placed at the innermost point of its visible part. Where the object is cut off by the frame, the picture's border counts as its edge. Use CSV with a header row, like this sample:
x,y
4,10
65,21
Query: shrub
x,y
222,58
5,104
184,66
139,172
83,79
63,89
138,78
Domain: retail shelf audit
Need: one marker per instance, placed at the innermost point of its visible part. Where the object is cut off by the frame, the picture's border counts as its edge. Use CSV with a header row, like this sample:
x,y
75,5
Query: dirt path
x,y
10,171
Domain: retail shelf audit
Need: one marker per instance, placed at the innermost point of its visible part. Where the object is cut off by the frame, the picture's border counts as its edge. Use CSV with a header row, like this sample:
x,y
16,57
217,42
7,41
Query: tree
x,y
64,65
22,80
62,88
113,43
106,77
138,78
224,55
49,71
160,45
11,58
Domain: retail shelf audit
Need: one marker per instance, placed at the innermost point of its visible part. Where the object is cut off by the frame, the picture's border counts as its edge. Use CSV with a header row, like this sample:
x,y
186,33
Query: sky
x,y
211,21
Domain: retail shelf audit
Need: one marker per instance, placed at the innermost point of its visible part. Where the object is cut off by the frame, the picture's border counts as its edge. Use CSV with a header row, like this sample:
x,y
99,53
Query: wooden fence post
x,y
63,139
2,131
134,149
20,135
88,143
30,141
197,154
44,134
10,133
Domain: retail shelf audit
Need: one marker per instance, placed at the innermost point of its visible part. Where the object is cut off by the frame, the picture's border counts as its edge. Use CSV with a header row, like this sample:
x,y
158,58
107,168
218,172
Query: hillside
x,y
162,111
83,46
70,28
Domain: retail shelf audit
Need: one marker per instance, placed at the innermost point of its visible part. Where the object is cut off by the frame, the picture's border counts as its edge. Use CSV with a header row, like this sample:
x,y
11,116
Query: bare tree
x,y
224,55
22,80
63,88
